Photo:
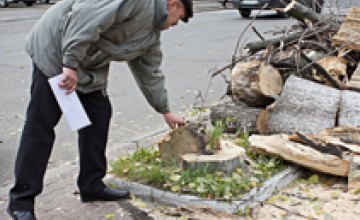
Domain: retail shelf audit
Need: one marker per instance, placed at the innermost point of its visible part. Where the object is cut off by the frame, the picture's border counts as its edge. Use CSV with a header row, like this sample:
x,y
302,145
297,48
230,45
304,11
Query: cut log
x,y
303,13
354,174
354,82
280,145
349,115
181,141
349,135
255,83
235,116
228,158
303,106
349,33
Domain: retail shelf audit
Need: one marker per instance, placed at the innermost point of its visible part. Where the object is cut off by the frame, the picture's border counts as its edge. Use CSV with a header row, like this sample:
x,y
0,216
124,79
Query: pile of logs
x,y
299,94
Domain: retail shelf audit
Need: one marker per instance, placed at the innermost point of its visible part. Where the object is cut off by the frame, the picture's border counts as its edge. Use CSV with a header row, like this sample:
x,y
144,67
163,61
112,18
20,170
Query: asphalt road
x,y
190,52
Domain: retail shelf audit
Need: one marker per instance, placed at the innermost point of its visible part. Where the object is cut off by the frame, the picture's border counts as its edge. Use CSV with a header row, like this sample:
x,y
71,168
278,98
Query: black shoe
x,y
106,195
21,215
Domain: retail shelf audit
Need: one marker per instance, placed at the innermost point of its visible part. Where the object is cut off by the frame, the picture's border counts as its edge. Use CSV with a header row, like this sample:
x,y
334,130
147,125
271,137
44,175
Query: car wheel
x,y
3,3
245,13
29,3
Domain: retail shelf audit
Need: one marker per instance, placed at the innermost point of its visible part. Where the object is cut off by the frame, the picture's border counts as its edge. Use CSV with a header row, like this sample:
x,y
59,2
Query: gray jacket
x,y
87,34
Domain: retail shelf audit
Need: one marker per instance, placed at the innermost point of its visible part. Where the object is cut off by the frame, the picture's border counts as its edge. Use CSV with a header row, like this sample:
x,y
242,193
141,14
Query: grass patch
x,y
145,166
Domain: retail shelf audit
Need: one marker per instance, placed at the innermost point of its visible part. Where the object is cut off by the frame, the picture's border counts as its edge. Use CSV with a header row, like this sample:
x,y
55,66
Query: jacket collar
x,y
161,13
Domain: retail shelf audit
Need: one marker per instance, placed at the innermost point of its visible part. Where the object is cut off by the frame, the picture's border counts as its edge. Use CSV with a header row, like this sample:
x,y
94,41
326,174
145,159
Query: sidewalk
x,y
60,199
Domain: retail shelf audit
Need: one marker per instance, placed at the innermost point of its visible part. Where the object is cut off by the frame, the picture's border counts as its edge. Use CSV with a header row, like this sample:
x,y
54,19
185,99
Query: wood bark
x,y
255,83
303,106
256,46
349,33
235,117
302,13
349,114
181,141
280,145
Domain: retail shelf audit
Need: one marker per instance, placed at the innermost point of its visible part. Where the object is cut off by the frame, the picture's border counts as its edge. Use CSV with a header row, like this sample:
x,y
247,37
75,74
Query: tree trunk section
x,y
235,116
303,106
303,155
255,83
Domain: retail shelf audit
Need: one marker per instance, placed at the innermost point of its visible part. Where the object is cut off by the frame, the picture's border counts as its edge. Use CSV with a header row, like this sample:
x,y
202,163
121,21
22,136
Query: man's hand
x,y
70,80
173,120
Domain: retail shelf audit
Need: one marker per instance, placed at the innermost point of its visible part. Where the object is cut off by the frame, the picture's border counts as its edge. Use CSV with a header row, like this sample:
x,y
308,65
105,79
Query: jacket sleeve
x,y
88,19
146,70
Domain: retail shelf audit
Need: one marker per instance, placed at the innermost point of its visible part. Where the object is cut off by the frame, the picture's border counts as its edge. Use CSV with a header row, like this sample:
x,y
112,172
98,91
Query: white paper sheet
x,y
70,105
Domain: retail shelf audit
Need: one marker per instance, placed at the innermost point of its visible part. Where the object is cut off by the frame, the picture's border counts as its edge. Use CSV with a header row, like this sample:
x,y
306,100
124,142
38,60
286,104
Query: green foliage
x,y
216,134
145,166
314,179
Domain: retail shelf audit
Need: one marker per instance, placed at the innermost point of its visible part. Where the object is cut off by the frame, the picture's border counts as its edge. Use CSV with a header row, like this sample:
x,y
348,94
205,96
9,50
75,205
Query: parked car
x,y
246,6
5,3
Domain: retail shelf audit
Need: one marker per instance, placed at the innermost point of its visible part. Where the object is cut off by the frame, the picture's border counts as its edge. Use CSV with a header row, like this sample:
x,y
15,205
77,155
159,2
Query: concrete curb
x,y
254,198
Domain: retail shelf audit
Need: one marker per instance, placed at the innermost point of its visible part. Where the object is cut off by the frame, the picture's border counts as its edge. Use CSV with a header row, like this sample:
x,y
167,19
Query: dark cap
x,y
188,10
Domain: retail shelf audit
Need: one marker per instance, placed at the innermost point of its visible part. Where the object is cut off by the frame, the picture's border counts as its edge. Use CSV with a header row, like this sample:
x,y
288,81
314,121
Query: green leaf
x,y
175,188
314,179
175,178
110,216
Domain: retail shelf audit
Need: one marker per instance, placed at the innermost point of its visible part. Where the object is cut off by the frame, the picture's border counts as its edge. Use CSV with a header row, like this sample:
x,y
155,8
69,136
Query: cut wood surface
x,y
349,114
255,83
354,82
280,145
228,158
303,106
235,116
349,33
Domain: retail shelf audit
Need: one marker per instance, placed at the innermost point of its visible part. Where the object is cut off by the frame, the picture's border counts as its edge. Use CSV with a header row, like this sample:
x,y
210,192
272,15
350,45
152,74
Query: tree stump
x,y
181,141
226,159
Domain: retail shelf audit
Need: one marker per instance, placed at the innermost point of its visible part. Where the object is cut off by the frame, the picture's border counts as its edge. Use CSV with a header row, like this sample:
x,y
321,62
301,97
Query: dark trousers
x,y
38,137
